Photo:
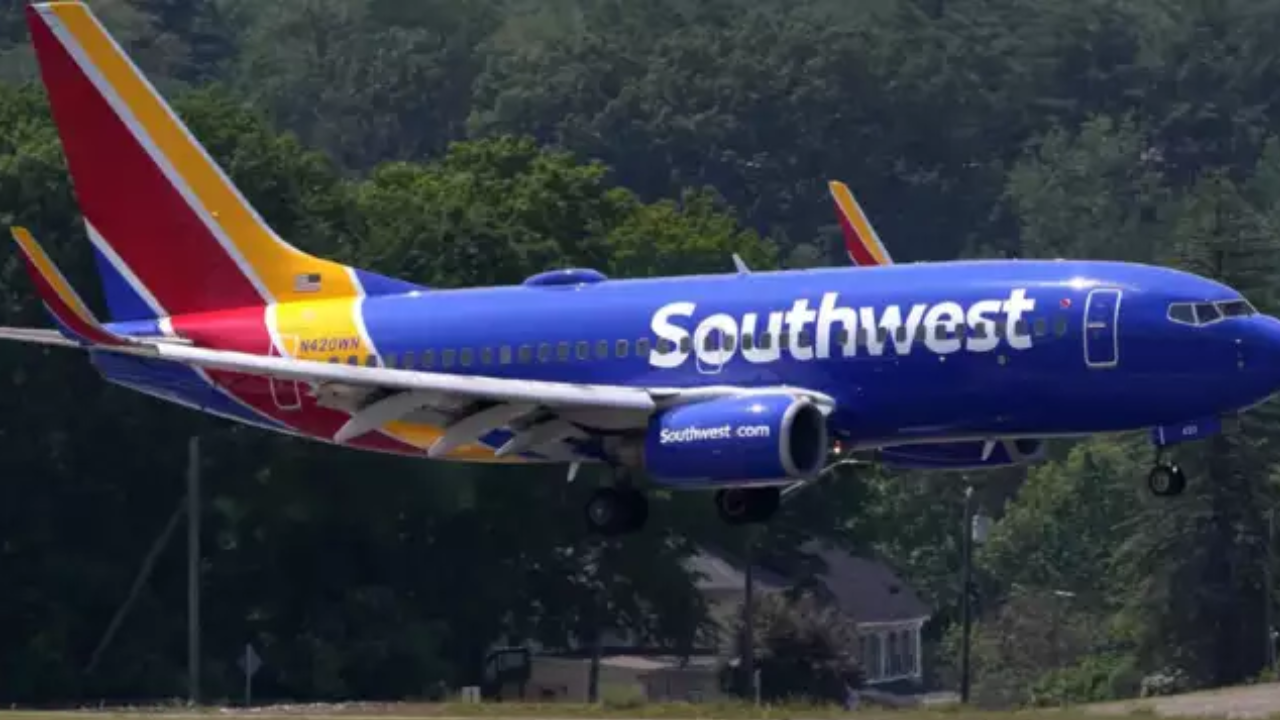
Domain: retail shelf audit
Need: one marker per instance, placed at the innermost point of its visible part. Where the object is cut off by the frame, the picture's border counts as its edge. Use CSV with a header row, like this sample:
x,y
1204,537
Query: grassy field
x,y
565,711
1254,702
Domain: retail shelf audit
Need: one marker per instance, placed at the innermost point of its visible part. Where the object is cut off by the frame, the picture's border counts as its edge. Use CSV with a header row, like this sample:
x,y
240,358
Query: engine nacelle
x,y
963,455
743,440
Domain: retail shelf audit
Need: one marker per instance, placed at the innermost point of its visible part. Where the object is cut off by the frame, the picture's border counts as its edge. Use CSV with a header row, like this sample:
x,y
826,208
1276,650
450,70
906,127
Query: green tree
x,y
806,650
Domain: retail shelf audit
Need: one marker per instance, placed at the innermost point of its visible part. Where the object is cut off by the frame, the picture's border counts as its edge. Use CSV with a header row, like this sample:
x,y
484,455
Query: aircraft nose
x,y
1260,353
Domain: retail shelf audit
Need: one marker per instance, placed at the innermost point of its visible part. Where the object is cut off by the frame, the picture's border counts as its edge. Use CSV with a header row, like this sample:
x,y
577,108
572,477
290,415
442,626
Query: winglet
x,y
860,238
75,320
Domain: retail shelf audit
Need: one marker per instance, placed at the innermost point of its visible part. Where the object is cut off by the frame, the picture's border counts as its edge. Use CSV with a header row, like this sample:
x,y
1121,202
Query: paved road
x,y
1255,701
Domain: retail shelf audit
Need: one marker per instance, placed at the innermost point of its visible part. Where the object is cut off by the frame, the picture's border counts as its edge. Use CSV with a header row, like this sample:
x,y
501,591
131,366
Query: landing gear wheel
x,y
739,506
616,511
1166,480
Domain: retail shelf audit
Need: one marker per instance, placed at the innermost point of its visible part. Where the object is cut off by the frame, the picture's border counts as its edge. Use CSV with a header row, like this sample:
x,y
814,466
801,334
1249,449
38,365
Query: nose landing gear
x,y
1166,478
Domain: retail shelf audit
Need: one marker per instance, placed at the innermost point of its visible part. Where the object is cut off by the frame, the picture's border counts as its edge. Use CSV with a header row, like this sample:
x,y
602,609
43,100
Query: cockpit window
x,y
1236,308
1206,313
1182,312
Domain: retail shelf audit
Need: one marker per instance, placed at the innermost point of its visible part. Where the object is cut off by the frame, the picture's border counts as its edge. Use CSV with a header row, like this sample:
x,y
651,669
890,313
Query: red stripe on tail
x,y
125,195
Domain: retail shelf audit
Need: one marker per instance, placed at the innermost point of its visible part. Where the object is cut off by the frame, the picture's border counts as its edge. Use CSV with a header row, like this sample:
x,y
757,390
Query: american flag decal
x,y
306,282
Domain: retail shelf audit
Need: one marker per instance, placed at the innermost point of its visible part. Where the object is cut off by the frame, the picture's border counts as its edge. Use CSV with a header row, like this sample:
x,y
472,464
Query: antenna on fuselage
x,y
741,265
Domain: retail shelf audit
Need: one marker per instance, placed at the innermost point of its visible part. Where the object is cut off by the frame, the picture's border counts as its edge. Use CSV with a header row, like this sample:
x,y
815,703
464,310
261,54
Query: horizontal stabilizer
x,y
75,320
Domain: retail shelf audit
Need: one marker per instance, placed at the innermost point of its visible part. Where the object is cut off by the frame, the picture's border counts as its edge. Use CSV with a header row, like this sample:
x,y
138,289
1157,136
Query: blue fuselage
x,y
909,353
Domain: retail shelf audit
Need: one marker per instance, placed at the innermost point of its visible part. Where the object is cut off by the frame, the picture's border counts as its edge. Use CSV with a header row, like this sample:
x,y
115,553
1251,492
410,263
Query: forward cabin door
x,y
1102,329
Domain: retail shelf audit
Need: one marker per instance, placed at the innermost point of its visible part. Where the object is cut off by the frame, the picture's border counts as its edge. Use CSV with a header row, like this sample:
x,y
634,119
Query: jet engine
x,y
743,440
963,455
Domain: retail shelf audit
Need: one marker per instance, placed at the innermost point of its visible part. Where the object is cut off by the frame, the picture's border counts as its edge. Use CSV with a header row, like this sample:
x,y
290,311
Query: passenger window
x,y
1182,312
408,360
353,360
622,347
371,360
686,343
526,354
842,336
584,350
748,342
709,343
766,341
1021,326
562,352
882,334
602,349
642,347
1042,327
979,331
900,333
446,357
428,358
390,360
1207,313
467,355
804,339
1060,325
486,356
504,355
784,341
544,352
335,359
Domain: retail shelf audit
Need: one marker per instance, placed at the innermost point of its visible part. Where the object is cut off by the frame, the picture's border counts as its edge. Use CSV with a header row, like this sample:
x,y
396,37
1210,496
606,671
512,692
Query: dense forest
x,y
458,142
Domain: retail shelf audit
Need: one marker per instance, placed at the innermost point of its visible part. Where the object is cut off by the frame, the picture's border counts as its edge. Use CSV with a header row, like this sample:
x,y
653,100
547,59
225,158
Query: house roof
x,y
866,589
718,573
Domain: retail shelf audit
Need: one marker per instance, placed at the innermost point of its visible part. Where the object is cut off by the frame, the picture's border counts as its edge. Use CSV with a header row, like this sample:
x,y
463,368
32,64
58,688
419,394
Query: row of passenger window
x,y
583,350
504,355
1205,313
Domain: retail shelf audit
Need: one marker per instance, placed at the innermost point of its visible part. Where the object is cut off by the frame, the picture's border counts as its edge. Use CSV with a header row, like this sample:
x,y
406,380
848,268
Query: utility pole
x,y
1267,630
193,569
967,574
749,615
596,584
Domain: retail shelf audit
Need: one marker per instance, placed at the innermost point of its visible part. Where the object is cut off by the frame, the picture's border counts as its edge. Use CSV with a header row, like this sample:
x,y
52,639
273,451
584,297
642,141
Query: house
x,y
887,612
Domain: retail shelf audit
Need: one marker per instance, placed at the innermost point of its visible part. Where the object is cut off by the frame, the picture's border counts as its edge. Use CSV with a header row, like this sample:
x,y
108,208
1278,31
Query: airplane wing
x,y
860,238
541,413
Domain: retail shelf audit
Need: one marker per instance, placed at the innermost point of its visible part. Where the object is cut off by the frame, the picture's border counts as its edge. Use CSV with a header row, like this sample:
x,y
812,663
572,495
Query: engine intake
x,y
748,439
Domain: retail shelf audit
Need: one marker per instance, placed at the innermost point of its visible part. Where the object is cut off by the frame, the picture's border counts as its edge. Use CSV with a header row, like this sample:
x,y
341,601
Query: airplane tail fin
x,y
171,233
74,319
860,238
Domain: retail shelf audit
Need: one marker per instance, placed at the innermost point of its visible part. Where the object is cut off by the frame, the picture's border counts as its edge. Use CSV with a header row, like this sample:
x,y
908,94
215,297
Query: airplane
x,y
739,384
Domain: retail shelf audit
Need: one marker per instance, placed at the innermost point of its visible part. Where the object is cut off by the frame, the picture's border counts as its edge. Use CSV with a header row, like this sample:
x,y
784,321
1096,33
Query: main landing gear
x,y
621,508
616,510
1166,478
740,506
